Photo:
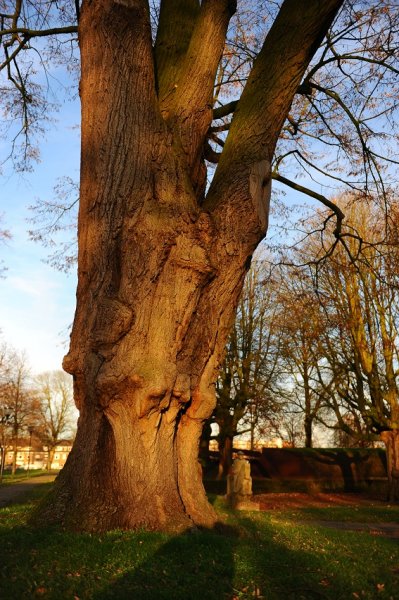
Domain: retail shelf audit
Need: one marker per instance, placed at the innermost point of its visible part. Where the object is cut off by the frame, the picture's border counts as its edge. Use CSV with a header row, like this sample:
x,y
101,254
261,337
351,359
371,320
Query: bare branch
x,y
33,33
331,205
225,110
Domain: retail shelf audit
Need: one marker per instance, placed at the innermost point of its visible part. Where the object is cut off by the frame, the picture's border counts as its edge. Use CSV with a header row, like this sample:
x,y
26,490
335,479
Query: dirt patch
x,y
389,529
15,492
297,500
288,501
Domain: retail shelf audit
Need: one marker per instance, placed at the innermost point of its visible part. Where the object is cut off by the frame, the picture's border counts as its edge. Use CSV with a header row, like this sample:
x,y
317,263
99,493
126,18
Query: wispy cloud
x,y
30,287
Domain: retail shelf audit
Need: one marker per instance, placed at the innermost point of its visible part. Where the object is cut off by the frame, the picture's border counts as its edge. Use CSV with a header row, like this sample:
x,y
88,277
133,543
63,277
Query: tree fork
x,y
159,271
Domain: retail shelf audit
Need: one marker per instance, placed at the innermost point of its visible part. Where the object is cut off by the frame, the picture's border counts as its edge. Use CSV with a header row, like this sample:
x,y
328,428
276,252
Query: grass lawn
x,y
256,555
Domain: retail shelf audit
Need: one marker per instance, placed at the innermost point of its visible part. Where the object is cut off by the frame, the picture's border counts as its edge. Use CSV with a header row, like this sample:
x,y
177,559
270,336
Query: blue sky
x,y
37,302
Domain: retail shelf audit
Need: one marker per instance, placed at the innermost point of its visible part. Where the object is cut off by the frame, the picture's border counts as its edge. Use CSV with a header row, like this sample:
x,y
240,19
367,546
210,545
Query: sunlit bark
x,y
160,267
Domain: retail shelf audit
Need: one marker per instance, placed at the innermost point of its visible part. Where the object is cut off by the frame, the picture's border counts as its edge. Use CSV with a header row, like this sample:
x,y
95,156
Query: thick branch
x,y
31,33
210,154
230,107
275,77
176,23
226,109
299,188
204,53
15,17
195,85
189,107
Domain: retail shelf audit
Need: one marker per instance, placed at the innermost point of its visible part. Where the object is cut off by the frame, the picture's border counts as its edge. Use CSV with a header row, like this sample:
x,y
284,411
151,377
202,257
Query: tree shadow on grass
x,y
22,493
253,558
286,564
197,565
52,564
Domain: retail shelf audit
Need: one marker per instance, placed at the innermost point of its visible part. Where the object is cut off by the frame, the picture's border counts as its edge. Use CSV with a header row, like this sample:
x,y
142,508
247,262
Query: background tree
x,y
288,426
163,256
244,388
4,236
5,412
357,291
357,436
301,322
16,399
54,394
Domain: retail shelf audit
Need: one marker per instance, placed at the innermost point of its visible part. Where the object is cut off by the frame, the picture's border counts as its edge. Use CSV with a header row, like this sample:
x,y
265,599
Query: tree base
x,y
102,488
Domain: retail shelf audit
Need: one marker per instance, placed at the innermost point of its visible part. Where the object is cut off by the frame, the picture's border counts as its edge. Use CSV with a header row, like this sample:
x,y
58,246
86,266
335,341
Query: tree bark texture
x,y
160,266
308,432
391,441
308,420
225,455
50,457
14,457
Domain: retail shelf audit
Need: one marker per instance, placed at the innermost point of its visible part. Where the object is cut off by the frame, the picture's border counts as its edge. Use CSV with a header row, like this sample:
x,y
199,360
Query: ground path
x,y
293,500
297,500
14,492
389,529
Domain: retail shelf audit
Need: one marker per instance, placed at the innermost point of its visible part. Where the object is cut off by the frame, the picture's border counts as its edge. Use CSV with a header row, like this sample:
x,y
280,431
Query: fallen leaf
x,y
41,591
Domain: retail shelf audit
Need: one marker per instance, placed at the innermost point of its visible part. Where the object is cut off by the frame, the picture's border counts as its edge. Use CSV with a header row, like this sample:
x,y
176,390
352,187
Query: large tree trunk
x,y
225,455
160,268
391,441
156,296
144,376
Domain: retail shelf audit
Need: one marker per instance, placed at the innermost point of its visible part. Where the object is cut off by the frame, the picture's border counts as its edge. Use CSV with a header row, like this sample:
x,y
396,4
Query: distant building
x,y
33,457
245,444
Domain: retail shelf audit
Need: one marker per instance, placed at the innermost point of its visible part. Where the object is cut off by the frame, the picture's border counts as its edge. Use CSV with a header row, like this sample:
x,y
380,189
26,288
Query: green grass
x,y
21,475
265,555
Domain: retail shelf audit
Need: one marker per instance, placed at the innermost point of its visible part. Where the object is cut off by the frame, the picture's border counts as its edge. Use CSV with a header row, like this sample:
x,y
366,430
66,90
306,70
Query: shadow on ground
x,y
255,558
194,566
18,493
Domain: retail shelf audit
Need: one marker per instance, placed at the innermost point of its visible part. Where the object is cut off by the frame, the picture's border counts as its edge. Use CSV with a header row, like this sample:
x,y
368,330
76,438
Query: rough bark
x,y
14,455
308,432
160,271
3,451
50,458
308,420
391,441
225,455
